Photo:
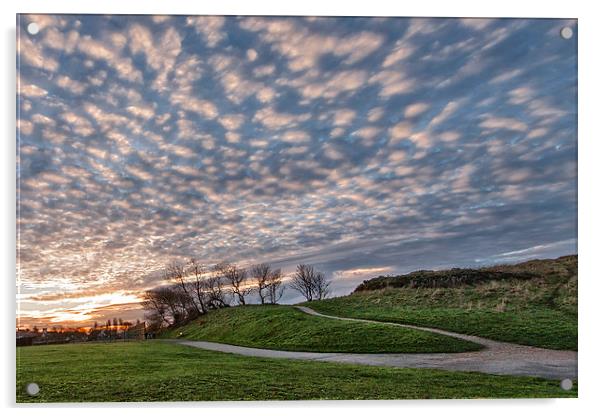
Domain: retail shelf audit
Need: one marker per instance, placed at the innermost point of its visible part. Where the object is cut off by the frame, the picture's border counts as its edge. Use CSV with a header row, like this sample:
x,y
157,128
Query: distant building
x,y
25,338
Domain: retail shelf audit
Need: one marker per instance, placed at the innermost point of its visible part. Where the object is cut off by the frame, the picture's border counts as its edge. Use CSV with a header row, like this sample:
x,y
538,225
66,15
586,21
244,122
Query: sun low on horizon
x,y
362,146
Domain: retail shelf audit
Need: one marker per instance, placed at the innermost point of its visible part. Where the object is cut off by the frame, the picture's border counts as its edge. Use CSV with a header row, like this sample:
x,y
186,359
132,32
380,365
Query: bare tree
x,y
236,278
260,273
186,304
175,307
321,286
176,273
310,283
155,307
199,285
302,281
170,303
154,321
216,295
274,286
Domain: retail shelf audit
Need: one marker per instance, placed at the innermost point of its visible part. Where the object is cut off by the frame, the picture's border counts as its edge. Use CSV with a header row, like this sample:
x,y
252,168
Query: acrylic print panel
x,y
201,198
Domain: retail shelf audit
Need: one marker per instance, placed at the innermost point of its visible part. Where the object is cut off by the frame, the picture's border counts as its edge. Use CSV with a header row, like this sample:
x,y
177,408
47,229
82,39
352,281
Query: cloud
x,y
251,54
415,109
204,108
43,120
400,53
25,126
332,87
33,54
449,109
304,48
295,136
56,39
368,132
98,50
161,52
400,131
362,146
392,83
476,24
144,112
79,125
31,90
495,123
343,117
520,95
67,83
361,272
273,119
210,27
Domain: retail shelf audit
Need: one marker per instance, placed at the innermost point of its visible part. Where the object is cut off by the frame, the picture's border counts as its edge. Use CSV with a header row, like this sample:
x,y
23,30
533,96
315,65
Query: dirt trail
x,y
496,358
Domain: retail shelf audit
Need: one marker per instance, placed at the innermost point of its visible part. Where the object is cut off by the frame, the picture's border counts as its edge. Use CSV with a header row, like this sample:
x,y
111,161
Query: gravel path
x,y
496,358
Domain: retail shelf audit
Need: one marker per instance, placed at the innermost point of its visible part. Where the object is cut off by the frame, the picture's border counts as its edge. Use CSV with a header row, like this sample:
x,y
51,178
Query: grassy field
x,y
286,328
157,371
539,311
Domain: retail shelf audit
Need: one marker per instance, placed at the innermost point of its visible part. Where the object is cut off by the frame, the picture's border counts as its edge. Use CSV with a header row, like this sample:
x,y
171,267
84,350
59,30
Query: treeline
x,y
192,289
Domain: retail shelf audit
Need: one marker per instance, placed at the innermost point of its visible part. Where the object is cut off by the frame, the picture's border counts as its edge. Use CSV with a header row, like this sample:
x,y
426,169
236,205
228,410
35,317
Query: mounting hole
x,y
32,389
33,28
566,32
566,384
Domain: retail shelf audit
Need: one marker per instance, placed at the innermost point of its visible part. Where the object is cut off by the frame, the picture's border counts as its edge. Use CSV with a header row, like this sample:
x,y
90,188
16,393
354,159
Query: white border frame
x,y
589,200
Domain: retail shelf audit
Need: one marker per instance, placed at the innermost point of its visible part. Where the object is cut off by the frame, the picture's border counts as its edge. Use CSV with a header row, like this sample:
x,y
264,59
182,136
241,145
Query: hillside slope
x,y
531,303
287,328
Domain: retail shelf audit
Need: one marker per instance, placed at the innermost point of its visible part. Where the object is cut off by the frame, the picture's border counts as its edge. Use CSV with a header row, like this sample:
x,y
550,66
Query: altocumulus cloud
x,y
360,145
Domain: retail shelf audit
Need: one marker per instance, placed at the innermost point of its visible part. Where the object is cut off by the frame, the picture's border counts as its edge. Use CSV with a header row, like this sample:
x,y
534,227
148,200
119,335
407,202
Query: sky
x,y
363,146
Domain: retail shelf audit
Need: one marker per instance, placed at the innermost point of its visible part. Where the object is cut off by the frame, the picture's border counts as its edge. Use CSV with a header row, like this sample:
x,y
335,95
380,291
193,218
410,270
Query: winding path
x,y
496,358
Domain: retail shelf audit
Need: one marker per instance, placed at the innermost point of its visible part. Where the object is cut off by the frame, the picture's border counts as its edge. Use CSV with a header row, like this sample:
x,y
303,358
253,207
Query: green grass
x,y
287,328
157,371
539,312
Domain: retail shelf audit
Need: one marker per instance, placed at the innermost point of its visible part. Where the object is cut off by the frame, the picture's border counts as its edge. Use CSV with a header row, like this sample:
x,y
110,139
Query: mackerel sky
x,y
364,146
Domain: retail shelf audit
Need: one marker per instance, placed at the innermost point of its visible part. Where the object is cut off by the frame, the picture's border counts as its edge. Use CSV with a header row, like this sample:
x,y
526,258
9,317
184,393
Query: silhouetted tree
x,y
236,278
321,286
176,272
260,273
167,303
155,306
274,287
216,295
199,285
310,283
186,305
154,321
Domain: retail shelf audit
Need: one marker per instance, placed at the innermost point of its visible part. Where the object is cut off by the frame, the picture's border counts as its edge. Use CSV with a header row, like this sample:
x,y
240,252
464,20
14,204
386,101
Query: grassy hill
x,y
157,371
531,303
287,328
